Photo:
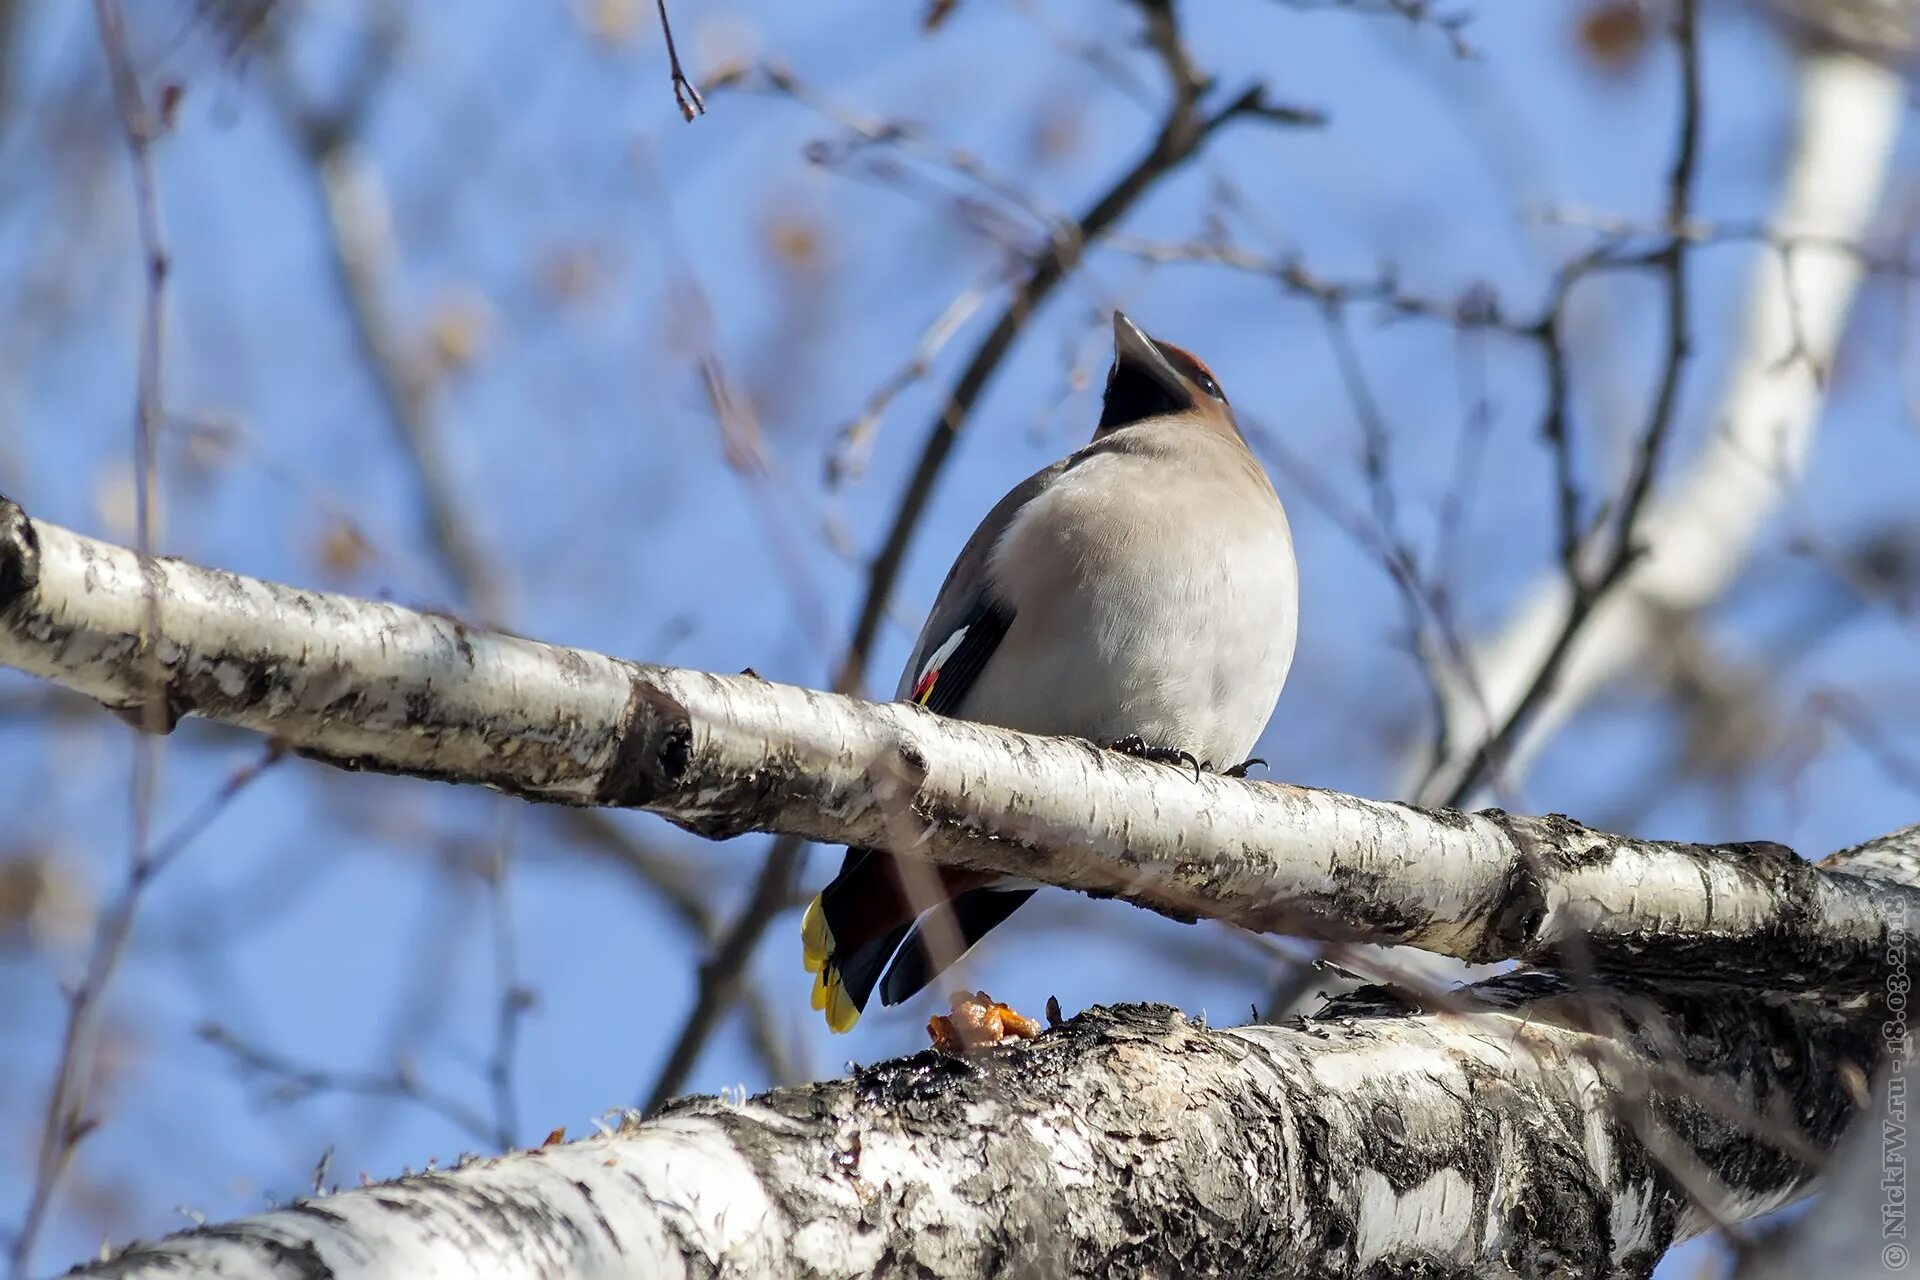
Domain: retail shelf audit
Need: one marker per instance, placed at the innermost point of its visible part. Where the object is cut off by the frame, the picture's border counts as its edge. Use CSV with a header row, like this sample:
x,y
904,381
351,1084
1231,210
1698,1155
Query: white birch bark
x,y
1548,1131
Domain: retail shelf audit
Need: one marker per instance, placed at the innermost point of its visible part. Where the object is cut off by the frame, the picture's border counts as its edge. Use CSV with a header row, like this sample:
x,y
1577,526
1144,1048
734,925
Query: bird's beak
x,y
1132,346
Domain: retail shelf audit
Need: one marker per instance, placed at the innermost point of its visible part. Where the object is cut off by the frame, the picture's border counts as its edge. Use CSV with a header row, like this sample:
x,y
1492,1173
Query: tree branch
x,y
1366,1140
368,685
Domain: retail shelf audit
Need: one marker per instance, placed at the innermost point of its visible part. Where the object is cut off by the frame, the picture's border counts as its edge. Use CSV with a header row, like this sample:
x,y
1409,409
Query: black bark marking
x,y
300,1261
19,553
653,751
599,1215
309,1209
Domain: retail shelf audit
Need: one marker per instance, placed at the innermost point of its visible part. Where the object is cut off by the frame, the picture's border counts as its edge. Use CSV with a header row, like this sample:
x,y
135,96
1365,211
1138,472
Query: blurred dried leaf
x,y
40,903
572,272
459,330
1058,131
343,550
611,22
171,94
114,494
1613,34
796,244
210,442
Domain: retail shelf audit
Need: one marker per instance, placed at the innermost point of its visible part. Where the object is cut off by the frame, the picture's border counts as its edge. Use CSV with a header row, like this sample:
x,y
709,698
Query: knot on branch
x,y
653,750
19,553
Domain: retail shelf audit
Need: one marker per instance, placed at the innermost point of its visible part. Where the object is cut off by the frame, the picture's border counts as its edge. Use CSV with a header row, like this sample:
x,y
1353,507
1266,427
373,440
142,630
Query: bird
x,y
1140,593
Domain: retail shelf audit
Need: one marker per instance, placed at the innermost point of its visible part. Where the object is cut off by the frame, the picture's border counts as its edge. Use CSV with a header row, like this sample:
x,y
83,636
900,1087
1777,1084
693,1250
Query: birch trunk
x,y
1366,1141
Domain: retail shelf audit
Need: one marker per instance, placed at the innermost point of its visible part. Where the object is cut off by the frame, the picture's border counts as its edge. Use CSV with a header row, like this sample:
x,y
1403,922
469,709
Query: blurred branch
x,y
1585,590
293,1081
1565,643
361,251
67,1121
865,132
10,11
721,973
514,999
849,459
1416,13
370,685
680,882
685,96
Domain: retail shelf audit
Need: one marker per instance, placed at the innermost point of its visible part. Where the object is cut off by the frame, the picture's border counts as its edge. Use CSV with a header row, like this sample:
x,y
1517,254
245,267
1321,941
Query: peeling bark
x,y
370,685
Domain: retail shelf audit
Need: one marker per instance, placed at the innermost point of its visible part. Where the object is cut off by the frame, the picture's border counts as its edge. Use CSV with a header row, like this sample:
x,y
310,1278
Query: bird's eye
x,y
1211,387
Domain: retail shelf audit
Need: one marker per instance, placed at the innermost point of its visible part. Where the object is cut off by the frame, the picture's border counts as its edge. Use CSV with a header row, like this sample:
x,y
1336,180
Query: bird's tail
x,y
850,931
829,989
852,934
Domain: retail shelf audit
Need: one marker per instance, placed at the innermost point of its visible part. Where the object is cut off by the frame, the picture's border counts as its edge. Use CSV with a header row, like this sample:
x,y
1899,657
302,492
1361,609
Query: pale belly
x,y
1182,632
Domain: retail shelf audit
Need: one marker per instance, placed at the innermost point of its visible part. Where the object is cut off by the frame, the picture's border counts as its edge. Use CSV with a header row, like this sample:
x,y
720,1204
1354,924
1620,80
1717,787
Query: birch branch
x,y
370,685
1700,534
1508,1142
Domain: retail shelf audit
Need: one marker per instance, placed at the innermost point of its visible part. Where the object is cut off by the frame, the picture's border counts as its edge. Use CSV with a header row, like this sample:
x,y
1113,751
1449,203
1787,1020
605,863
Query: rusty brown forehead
x,y
1185,361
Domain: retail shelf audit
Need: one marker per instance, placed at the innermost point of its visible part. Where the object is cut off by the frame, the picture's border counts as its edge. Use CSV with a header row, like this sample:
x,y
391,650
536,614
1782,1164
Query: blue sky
x,y
546,198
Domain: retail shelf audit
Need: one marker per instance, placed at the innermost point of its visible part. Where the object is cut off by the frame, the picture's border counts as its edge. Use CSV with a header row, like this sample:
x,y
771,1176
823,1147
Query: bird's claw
x,y
1240,770
1134,745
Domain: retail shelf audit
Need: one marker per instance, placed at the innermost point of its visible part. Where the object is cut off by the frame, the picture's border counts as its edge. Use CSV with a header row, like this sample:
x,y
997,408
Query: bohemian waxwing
x,y
1140,593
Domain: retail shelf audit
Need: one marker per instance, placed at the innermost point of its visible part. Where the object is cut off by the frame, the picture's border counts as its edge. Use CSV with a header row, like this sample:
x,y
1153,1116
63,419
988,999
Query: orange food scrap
x,y
978,1021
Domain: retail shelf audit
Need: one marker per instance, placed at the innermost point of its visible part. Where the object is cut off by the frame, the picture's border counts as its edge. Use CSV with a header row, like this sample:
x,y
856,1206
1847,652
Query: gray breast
x,y
1150,596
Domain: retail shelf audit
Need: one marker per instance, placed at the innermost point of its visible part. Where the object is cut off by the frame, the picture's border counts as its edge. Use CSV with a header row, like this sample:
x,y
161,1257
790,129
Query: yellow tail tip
x,y
829,996
816,940
841,1015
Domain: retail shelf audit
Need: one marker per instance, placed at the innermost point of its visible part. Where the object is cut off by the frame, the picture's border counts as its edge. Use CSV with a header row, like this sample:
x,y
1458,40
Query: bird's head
x,y
1152,379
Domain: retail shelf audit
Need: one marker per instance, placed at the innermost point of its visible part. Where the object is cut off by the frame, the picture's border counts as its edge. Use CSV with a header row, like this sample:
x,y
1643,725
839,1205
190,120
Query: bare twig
x,y
294,1081
65,1123
514,999
1587,591
849,458
685,96
67,1120
1417,13
720,975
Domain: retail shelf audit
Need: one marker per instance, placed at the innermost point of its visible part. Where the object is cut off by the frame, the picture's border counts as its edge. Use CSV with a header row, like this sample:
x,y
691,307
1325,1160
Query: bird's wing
x,y
966,598
853,928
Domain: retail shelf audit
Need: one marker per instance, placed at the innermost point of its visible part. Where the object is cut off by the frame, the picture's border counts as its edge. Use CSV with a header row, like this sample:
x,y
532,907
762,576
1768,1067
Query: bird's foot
x,y
1134,745
1240,770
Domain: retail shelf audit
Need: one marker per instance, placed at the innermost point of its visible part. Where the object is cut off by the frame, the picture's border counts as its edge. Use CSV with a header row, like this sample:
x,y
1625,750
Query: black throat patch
x,y
1133,394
